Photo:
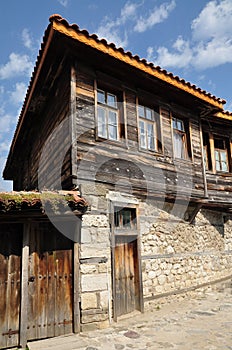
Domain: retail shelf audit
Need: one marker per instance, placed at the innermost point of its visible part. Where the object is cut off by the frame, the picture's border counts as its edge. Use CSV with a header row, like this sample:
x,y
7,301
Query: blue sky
x,y
192,39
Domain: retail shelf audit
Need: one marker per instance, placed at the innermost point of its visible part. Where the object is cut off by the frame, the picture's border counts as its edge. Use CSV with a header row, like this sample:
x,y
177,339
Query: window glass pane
x,y
224,166
102,127
180,125
142,134
111,100
112,132
218,166
149,114
150,136
179,150
141,112
100,96
126,215
223,156
217,155
112,118
174,125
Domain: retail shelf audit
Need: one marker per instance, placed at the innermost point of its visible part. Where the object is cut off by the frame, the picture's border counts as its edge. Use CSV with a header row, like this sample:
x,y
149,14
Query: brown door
x,y
10,267
50,300
126,284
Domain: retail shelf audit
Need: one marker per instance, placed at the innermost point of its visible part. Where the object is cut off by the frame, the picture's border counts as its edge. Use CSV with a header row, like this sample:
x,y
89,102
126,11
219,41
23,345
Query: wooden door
x,y
10,267
50,295
126,276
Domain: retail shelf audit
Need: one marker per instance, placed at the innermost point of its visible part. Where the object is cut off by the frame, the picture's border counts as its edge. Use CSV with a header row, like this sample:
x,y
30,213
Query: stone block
x,y
94,282
88,301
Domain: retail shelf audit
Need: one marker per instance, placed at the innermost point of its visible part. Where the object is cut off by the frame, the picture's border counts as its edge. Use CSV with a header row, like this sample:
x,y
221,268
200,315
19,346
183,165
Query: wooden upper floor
x,y
94,112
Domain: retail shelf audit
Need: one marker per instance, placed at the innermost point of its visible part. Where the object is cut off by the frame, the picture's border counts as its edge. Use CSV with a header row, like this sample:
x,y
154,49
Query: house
x,y
150,153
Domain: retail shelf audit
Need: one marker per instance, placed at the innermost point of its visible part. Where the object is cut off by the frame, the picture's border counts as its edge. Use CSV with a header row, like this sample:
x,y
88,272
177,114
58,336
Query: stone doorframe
x,y
116,199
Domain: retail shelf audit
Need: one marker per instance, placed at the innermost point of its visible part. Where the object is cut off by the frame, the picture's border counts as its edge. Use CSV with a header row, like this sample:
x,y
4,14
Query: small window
x,y
181,139
107,115
221,155
206,150
149,129
125,218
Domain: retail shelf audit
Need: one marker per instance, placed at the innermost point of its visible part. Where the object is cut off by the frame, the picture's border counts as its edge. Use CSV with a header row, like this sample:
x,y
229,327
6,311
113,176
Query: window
x,y
107,115
221,155
181,139
125,218
206,150
148,129
216,152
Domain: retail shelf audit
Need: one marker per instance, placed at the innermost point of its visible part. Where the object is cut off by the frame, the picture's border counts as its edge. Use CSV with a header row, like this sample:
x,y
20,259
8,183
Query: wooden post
x,y
76,281
24,286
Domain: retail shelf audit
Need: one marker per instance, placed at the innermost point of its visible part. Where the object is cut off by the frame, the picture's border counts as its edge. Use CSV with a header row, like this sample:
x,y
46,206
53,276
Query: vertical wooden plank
x,y
76,288
73,126
24,286
211,145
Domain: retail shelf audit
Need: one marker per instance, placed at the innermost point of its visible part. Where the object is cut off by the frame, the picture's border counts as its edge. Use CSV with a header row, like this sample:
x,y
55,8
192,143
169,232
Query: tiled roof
x,y
93,40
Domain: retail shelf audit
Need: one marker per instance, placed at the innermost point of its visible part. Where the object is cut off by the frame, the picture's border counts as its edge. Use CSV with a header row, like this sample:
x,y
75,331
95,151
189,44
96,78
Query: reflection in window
x,y
180,139
125,218
221,155
148,128
107,115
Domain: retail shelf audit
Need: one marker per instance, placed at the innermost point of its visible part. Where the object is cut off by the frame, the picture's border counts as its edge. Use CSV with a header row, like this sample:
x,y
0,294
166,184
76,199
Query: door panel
x,y
10,267
50,294
126,282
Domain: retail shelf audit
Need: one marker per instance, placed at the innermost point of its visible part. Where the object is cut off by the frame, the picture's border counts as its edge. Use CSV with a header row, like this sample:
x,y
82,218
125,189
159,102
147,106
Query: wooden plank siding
x,y
10,283
113,161
45,121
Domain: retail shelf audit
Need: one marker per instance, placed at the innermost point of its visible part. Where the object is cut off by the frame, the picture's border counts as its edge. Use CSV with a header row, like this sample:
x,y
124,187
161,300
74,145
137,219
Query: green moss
x,y
55,201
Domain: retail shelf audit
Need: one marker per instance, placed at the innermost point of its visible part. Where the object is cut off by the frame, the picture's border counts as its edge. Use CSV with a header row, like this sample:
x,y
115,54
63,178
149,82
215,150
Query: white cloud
x,y
211,43
63,2
111,30
5,123
158,15
18,95
181,57
27,39
214,21
4,146
17,65
213,54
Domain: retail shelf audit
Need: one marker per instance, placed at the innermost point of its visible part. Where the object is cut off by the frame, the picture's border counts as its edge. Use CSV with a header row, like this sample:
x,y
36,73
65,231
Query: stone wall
x,y
175,256
95,263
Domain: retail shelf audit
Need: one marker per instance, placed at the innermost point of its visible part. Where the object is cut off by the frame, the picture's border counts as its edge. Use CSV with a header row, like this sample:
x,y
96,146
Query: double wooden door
x,y
45,296
127,289
50,281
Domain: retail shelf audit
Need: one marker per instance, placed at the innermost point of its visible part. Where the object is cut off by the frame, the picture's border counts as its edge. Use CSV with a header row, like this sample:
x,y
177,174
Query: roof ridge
x,y
59,19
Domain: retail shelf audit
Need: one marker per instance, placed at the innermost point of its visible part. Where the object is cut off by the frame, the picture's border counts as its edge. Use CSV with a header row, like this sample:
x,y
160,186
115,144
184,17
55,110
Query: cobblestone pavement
x,y
200,321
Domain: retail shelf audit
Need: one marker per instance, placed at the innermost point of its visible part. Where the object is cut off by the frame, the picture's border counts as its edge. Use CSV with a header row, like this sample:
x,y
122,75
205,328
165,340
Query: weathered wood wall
x,y
55,110
109,162
10,283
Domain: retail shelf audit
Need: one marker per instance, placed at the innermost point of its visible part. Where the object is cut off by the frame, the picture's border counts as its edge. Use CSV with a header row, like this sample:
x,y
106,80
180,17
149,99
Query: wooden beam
x,y
24,286
76,280
73,128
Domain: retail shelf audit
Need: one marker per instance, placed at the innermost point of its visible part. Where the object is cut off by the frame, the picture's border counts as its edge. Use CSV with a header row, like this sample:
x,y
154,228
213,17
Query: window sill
x,y
122,143
152,153
182,161
221,173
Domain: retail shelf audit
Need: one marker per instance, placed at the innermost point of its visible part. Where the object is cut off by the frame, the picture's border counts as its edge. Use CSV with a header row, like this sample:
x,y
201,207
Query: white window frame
x,y
148,119
107,108
178,130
